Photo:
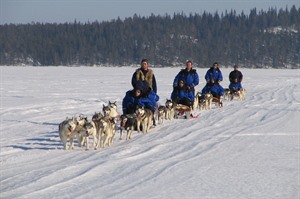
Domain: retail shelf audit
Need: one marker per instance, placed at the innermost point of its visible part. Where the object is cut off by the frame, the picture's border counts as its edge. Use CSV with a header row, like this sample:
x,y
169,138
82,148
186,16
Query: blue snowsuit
x,y
214,73
181,93
215,89
130,101
190,78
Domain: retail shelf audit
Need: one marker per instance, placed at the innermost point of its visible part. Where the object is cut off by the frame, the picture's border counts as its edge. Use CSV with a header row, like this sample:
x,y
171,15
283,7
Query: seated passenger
x,y
142,95
214,88
183,95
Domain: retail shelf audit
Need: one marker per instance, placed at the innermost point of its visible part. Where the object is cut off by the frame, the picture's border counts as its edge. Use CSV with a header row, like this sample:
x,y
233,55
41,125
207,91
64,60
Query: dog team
x,y
140,105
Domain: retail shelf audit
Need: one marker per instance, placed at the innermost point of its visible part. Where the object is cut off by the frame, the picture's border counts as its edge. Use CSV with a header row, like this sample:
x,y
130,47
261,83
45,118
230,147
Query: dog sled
x,y
184,112
218,102
239,94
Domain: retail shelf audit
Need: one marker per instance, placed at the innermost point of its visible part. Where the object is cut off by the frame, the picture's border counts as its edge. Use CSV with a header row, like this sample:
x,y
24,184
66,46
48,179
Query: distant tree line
x,y
262,38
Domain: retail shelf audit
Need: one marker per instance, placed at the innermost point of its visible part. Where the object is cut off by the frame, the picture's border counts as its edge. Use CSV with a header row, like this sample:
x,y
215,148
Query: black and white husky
x,y
170,109
144,118
161,115
128,123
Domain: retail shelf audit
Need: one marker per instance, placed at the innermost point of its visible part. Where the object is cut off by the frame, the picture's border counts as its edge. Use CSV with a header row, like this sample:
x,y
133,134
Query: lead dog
x,y
144,118
128,123
66,131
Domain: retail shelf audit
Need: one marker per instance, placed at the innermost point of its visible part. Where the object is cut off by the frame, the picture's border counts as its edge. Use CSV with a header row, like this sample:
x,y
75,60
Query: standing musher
x,y
189,76
235,78
144,73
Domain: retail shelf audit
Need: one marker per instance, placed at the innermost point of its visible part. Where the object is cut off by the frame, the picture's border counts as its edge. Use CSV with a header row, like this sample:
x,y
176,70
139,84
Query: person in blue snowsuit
x,y
182,94
189,75
142,95
213,78
214,73
215,89
235,78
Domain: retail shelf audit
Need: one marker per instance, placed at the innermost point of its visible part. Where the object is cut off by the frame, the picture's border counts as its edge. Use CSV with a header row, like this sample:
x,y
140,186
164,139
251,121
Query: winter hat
x,y
139,85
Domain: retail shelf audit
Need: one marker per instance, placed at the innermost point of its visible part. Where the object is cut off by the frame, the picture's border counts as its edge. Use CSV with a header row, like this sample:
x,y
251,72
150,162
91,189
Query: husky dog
x,y
90,130
242,94
110,110
106,110
170,109
144,118
202,104
128,122
227,94
66,131
196,100
80,122
99,125
113,109
161,114
106,132
113,125
208,97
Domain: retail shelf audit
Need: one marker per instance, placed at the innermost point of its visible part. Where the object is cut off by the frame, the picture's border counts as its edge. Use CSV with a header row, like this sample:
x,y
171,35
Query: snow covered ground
x,y
247,149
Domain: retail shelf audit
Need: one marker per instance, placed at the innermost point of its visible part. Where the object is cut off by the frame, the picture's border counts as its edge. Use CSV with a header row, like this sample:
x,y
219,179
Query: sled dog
x,y
170,109
66,131
208,98
110,110
80,122
113,109
202,103
106,132
242,94
106,110
128,123
161,114
227,94
144,118
113,125
197,100
89,130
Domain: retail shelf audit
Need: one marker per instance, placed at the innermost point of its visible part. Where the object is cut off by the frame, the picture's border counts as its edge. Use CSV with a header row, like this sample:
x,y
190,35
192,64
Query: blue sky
x,y
60,11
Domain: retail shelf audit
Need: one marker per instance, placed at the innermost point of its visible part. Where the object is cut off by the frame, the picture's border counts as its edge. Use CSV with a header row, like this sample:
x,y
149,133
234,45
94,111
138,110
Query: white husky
x,y
89,129
67,131
106,132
